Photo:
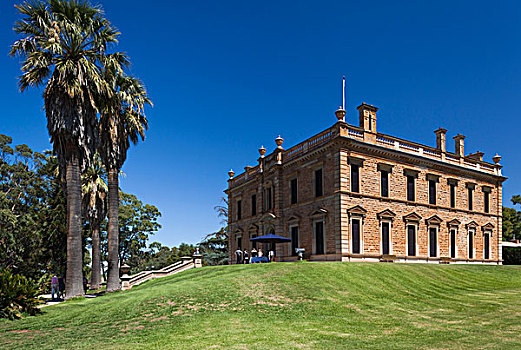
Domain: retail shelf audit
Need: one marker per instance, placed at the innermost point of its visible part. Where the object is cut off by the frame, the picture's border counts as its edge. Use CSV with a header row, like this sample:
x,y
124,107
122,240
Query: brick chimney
x,y
367,117
440,139
458,140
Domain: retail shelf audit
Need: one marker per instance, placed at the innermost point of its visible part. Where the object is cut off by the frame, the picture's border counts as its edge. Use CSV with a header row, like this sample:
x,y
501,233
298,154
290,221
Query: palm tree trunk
x,y
74,275
113,231
95,277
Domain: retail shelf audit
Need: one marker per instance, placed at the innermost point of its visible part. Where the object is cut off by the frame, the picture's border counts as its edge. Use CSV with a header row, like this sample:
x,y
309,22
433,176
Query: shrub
x,y
511,256
18,295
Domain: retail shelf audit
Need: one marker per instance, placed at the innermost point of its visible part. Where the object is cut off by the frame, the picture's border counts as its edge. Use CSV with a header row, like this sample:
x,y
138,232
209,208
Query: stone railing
x,y
310,144
186,263
356,133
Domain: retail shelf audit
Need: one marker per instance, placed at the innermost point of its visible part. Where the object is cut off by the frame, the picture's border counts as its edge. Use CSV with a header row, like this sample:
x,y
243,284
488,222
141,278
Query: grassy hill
x,y
292,305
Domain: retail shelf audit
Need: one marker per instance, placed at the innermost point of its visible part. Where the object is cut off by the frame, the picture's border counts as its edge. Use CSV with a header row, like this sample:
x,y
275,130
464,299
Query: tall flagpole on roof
x,y
344,92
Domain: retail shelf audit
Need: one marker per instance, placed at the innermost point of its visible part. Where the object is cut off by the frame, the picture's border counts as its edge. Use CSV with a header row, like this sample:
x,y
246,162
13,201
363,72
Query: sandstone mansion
x,y
351,193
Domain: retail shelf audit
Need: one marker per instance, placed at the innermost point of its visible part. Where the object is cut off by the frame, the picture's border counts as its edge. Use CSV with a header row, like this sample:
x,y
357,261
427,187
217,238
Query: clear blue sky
x,y
227,77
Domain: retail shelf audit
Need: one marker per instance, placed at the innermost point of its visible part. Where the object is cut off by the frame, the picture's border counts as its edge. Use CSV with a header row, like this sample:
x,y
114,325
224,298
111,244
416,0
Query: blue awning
x,y
270,238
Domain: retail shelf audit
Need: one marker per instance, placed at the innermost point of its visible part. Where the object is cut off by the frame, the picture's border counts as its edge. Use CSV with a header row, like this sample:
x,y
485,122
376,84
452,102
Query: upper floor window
x,y
486,199
293,184
384,183
411,195
268,193
452,194
239,209
470,197
319,191
355,178
253,204
432,192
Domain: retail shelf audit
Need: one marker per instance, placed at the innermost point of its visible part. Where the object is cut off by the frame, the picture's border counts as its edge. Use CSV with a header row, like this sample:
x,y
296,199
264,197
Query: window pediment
x,y
357,210
253,228
434,220
454,222
318,214
472,224
412,217
294,218
386,214
487,226
268,217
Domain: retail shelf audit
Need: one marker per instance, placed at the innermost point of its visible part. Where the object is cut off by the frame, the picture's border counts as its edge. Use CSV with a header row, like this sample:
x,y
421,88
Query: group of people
x,y
57,288
243,256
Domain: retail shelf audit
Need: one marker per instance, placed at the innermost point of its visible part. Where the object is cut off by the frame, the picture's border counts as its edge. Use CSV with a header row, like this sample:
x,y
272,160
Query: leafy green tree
x,y
94,191
512,221
137,221
214,248
62,46
33,224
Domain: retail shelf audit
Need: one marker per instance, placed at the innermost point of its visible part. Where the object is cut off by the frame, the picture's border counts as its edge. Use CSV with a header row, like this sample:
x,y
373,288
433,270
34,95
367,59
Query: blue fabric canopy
x,y
270,238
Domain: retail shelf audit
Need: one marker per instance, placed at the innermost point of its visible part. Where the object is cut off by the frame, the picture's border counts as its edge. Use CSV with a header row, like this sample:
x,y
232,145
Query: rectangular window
x,y
355,236
470,198
471,245
486,248
294,240
239,243
318,183
384,183
239,209
269,201
432,192
452,195
253,205
293,191
453,243
410,188
319,237
486,201
253,243
355,178
433,242
385,238
411,240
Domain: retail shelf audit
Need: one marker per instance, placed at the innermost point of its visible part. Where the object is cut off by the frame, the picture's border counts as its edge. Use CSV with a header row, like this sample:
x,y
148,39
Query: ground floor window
x,y
433,242
254,243
411,240
239,243
319,238
486,246
471,245
386,246
294,240
355,236
453,243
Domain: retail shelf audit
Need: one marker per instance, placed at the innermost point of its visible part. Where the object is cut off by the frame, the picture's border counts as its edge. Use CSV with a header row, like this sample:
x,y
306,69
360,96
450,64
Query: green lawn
x,y
292,305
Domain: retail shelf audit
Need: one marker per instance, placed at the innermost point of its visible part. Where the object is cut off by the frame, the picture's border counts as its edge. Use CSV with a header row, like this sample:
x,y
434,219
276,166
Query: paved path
x,y
49,302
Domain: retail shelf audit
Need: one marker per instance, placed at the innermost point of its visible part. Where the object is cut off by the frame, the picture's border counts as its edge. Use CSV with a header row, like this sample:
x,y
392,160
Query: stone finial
x,y
496,158
262,151
231,174
279,140
340,114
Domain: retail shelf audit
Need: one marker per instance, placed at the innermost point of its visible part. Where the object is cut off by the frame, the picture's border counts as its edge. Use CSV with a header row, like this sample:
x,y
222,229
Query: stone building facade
x,y
351,193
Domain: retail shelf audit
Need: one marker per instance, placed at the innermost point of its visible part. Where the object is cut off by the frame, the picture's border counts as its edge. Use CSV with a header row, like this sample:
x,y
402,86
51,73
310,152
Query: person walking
x,y
54,288
246,257
238,254
271,255
61,287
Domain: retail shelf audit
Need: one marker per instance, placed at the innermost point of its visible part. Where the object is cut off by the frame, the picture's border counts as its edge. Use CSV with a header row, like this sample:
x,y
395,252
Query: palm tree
x,y
122,122
94,189
62,46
